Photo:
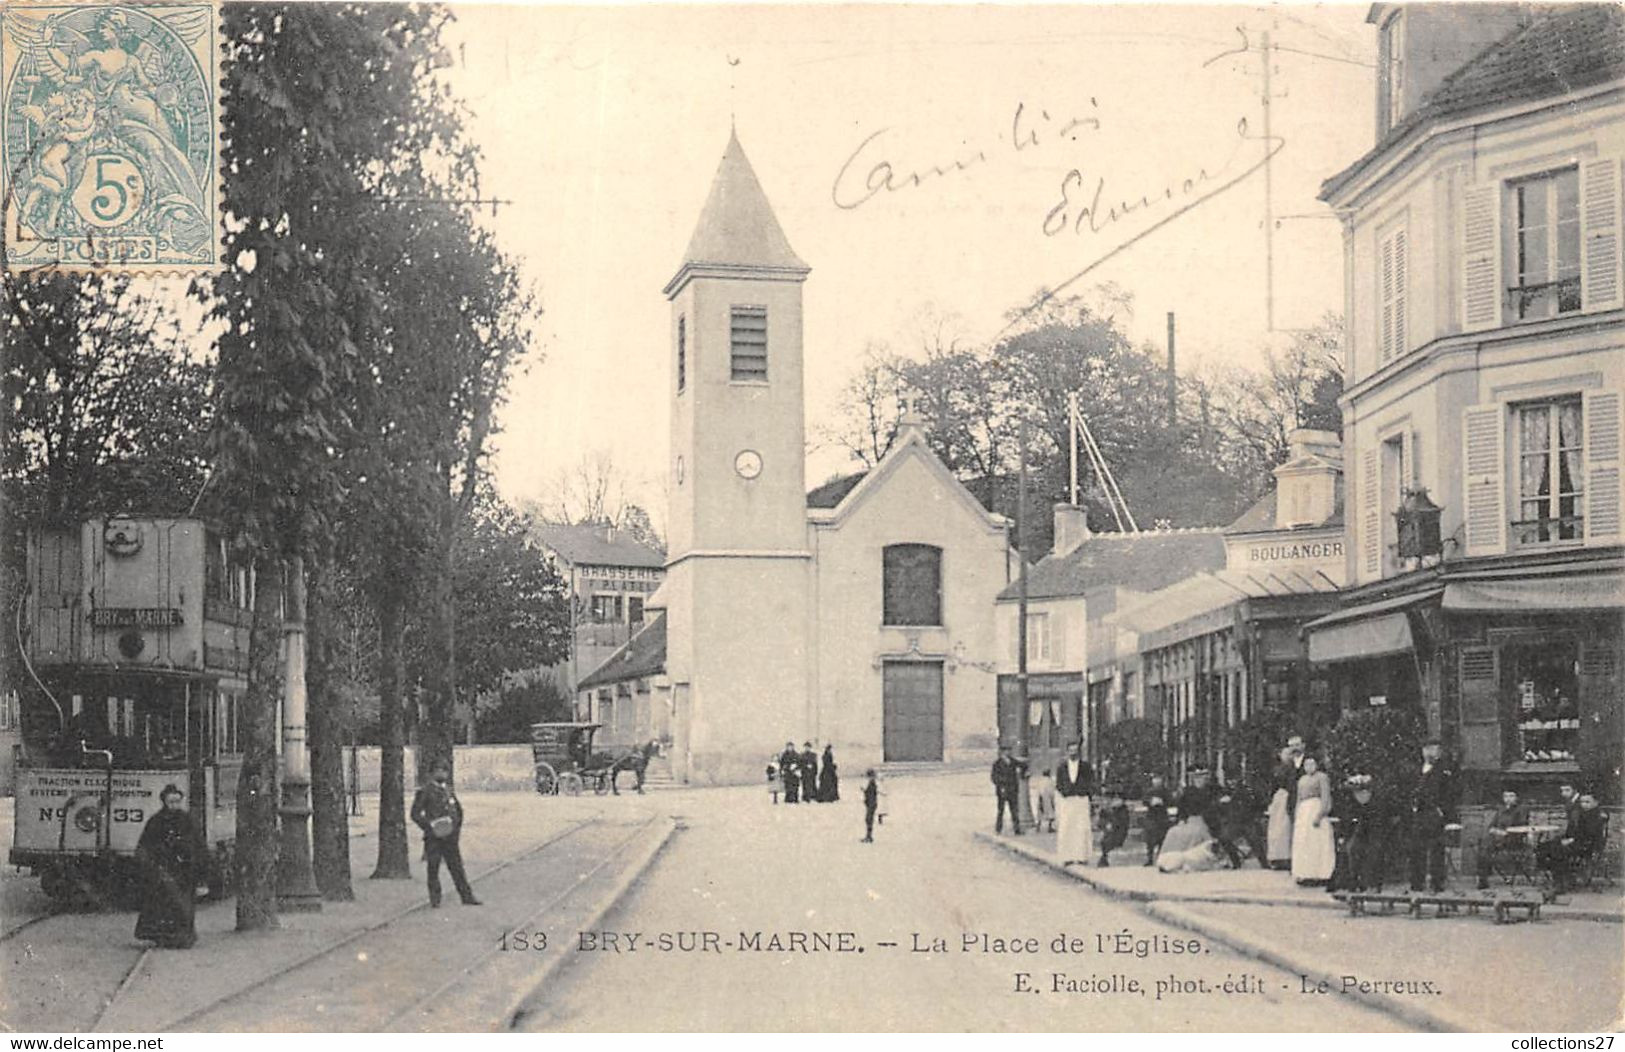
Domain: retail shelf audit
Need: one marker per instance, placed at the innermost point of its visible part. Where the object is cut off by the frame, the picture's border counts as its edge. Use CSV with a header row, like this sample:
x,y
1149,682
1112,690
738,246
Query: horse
x,y
636,761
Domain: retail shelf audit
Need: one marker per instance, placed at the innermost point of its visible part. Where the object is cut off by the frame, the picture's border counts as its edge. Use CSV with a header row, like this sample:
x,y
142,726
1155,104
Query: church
x,y
860,615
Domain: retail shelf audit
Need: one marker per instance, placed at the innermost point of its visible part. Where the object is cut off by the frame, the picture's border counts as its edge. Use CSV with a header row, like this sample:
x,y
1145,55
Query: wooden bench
x,y
1502,905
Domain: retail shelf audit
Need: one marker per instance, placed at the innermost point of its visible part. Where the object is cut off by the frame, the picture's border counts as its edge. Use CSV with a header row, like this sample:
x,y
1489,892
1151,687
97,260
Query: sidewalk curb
x,y
521,1002
1084,876
1228,935
1436,1020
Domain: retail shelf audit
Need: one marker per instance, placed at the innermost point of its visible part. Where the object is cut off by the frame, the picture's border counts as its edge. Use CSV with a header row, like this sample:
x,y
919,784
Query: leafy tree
x,y
1298,387
1253,747
1381,742
1131,752
506,715
511,608
336,127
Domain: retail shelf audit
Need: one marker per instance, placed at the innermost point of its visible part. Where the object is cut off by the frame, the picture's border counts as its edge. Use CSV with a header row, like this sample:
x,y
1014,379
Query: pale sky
x,y
604,125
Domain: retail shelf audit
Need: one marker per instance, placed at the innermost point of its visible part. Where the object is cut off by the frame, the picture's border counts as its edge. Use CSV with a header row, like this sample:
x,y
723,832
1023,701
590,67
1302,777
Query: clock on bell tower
x,y
737,569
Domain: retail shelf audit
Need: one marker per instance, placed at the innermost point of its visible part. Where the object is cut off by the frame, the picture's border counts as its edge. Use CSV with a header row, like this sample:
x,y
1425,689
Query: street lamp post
x,y
295,880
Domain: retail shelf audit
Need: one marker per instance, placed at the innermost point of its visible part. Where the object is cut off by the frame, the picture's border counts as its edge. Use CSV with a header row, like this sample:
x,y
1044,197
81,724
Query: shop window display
x,y
1545,686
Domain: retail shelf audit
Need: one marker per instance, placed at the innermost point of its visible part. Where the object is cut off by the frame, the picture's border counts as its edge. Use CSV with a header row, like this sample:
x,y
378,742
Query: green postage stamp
x,y
109,136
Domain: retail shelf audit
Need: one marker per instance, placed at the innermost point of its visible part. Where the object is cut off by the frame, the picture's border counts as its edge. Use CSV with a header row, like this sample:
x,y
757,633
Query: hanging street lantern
x,y
1418,520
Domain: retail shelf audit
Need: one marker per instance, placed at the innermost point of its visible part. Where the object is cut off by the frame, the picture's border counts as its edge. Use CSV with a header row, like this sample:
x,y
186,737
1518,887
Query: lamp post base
x,y
296,890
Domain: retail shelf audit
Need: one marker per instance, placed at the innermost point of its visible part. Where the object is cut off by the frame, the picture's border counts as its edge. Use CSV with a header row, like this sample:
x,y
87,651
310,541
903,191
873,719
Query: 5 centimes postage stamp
x,y
109,136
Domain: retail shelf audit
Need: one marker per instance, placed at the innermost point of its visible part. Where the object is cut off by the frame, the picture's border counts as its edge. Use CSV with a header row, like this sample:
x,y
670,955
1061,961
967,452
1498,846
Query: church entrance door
x,y
913,711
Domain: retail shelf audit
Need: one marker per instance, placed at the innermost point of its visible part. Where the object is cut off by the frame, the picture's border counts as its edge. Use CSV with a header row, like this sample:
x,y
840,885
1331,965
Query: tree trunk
x,y
393,863
435,742
257,785
330,822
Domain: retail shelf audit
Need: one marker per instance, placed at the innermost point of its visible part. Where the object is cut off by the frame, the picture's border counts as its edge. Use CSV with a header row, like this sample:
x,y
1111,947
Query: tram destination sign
x,y
135,617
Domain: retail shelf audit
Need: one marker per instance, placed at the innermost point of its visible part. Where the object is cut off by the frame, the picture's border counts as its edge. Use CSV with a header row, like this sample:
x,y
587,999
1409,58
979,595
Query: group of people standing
x,y
1339,841
1300,836
803,778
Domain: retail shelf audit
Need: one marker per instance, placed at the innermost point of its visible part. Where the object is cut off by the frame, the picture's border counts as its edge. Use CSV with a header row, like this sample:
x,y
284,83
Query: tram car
x,y
134,633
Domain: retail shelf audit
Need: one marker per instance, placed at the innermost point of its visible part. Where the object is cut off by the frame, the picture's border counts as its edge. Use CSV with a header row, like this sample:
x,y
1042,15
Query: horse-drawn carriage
x,y
566,763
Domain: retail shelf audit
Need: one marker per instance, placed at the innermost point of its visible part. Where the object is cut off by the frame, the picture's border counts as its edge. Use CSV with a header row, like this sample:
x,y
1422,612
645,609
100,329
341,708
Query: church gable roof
x,y
831,493
737,230
838,498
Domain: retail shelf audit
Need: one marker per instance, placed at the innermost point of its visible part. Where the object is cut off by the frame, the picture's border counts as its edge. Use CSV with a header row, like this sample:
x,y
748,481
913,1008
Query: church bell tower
x,y
739,568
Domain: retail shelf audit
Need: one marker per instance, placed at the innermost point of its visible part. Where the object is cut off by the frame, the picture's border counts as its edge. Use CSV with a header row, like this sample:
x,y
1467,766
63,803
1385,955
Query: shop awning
x,y
1205,602
1367,637
1367,630
1557,595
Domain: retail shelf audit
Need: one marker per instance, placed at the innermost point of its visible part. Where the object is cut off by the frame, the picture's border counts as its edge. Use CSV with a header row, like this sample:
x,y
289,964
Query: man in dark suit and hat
x,y
1006,783
789,760
808,765
1433,801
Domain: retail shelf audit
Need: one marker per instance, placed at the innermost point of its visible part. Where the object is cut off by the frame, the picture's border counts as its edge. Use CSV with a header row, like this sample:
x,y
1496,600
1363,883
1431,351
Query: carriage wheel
x,y
606,782
570,784
547,779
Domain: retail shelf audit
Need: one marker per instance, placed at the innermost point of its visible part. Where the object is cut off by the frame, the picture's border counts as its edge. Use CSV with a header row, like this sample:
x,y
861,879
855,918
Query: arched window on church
x,y
912,588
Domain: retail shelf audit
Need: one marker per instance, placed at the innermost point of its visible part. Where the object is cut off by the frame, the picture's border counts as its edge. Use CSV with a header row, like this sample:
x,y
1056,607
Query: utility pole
x,y
1269,200
1173,377
295,880
1023,805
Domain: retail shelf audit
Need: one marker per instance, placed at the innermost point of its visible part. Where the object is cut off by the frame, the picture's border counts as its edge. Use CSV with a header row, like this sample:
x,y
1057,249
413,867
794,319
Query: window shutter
x,y
1401,329
1058,638
1407,460
1483,480
1479,675
1370,520
1481,258
1602,706
1603,496
1600,285
1386,337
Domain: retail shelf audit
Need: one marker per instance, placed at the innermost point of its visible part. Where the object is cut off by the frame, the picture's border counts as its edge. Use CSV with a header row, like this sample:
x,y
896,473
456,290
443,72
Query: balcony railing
x,y
1560,529
1531,301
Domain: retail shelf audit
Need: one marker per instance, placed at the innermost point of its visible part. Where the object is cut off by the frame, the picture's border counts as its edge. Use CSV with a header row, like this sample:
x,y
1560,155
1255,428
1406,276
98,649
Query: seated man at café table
x,y
1583,838
1506,837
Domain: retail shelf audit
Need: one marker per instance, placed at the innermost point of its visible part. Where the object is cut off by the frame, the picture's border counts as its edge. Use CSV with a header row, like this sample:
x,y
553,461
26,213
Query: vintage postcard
x,y
109,136
807,518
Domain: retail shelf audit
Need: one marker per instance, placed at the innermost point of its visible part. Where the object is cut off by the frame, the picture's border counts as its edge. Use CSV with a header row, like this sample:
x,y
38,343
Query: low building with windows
x,y
610,575
859,615
1077,681
1220,646
1485,381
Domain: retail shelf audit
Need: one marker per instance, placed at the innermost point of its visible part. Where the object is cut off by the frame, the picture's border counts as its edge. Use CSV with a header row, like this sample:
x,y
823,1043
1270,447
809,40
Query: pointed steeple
x,y
738,233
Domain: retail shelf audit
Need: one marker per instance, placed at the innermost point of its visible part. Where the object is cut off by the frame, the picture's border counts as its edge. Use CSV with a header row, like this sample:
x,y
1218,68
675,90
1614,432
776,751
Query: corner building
x,y
1486,366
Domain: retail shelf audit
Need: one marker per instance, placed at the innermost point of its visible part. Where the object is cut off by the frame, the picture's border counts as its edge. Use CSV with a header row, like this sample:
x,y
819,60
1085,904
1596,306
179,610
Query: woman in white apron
x,y
1314,855
1282,805
1075,835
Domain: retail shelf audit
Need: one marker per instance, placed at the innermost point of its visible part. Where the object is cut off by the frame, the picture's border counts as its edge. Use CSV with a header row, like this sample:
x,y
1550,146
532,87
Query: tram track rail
x,y
467,972
326,950
12,932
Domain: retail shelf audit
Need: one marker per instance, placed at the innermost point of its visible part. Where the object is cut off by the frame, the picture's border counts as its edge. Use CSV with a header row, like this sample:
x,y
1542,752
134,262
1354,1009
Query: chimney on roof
x,y
1173,377
1306,485
1071,529
910,422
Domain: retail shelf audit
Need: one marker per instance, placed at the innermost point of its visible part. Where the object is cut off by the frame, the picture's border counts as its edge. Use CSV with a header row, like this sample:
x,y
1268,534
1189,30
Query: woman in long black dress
x,y
829,782
171,855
